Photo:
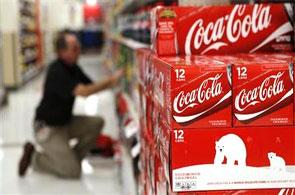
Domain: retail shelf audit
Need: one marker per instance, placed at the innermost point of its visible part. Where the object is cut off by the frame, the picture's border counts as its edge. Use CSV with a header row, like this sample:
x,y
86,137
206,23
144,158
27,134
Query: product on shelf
x,y
125,60
136,26
189,91
160,179
30,38
221,29
237,158
199,150
262,90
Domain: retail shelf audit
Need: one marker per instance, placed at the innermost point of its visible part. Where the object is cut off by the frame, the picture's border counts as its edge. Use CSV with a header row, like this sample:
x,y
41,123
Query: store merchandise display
x,y
222,29
191,89
134,20
202,3
262,90
136,26
192,99
123,57
202,85
192,139
30,38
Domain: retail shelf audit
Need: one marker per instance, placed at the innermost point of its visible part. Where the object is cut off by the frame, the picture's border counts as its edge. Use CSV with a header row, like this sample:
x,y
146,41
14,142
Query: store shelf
x,y
29,46
126,173
129,42
3,97
30,73
133,5
133,128
130,146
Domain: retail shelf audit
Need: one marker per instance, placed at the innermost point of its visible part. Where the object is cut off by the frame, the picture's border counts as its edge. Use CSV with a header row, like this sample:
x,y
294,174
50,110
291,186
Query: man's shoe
x,y
25,161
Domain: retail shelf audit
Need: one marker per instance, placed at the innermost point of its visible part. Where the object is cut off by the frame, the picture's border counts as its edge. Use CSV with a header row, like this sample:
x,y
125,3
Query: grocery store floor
x,y
100,176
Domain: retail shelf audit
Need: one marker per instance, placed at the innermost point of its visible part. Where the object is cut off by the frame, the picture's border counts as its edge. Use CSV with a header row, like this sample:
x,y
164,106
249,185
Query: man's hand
x,y
86,90
116,77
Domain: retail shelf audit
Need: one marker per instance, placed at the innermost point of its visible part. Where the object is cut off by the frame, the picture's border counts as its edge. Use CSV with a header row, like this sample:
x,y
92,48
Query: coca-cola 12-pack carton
x,y
193,92
222,29
233,158
262,90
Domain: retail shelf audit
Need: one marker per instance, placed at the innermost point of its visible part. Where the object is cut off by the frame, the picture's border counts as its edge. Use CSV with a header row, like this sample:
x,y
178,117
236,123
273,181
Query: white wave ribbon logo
x,y
229,26
271,86
209,88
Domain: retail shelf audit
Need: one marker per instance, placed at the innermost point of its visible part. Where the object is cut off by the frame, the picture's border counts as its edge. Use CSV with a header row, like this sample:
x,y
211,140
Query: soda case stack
x,y
218,123
188,114
294,26
262,89
216,29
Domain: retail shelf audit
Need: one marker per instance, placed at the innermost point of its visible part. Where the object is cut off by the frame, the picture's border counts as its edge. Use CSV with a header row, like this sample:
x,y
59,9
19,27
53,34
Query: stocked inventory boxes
x,y
192,110
222,29
216,100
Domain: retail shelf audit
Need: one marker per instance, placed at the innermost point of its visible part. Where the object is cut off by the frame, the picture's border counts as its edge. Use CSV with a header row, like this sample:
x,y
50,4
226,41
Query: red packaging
x,y
196,91
161,183
236,158
164,148
221,29
151,182
145,69
284,191
293,26
262,91
147,158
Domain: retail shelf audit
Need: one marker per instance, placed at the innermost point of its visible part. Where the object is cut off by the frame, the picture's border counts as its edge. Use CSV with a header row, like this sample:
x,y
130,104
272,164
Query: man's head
x,y
67,47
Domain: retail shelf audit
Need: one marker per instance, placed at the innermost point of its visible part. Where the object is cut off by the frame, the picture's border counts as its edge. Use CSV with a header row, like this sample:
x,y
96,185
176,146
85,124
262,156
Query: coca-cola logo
x,y
232,26
209,88
271,86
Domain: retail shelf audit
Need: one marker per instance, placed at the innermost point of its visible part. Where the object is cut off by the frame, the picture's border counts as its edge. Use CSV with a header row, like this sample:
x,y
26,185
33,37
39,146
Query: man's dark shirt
x,y
56,105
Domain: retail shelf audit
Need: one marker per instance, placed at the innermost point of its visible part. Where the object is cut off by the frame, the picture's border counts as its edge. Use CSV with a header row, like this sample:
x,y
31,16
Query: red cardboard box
x,y
221,29
284,191
161,182
262,91
191,156
195,91
236,158
145,69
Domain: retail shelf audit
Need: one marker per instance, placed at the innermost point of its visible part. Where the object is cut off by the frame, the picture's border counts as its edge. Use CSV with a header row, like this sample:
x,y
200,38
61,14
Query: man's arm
x,y
89,89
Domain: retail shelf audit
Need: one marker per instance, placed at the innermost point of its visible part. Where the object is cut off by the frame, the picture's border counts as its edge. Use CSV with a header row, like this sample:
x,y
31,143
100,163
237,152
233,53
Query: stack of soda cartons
x,y
216,99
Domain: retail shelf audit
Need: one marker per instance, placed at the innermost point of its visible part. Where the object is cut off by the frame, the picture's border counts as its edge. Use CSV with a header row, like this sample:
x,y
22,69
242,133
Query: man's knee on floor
x,y
100,123
71,171
97,125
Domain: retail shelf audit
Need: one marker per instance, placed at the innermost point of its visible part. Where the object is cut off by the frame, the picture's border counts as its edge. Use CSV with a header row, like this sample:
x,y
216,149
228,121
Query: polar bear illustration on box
x,y
232,148
277,163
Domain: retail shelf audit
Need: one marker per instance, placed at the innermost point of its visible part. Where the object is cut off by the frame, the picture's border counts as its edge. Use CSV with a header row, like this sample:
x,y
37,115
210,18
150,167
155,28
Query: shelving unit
x,y
120,53
22,41
130,43
2,89
30,39
133,5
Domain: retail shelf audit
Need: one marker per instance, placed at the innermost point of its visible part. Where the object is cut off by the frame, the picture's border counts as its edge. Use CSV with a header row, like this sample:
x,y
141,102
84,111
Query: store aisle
x,y
100,176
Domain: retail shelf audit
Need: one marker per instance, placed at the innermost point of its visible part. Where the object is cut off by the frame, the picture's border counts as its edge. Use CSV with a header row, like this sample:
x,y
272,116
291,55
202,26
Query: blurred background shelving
x,y
29,27
22,41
